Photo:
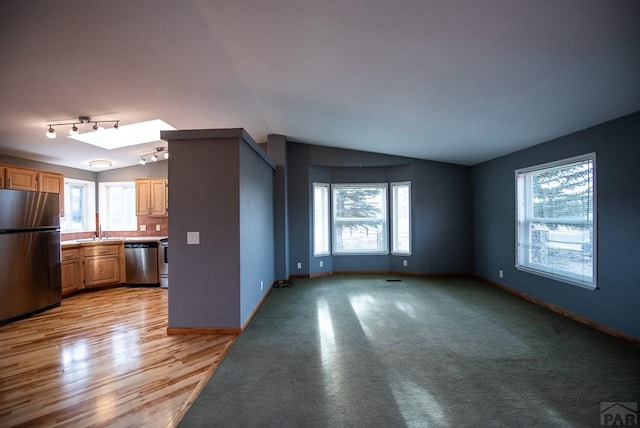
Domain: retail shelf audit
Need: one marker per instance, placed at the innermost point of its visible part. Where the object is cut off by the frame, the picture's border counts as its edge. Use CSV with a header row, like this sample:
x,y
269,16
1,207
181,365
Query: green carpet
x,y
361,351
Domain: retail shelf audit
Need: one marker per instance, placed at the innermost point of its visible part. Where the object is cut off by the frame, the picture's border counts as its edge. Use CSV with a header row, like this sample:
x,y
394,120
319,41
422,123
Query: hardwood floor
x,y
103,358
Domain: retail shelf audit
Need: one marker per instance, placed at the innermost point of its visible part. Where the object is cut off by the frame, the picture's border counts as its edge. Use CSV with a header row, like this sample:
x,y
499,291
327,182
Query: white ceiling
x,y
456,81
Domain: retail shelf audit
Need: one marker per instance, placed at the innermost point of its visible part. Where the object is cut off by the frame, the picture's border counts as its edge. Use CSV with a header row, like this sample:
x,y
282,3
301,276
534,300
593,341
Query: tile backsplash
x,y
149,222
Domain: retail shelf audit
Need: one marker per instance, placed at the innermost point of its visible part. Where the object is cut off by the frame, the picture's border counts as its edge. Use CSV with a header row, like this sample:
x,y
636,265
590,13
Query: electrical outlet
x,y
405,263
500,273
143,228
157,228
321,263
299,265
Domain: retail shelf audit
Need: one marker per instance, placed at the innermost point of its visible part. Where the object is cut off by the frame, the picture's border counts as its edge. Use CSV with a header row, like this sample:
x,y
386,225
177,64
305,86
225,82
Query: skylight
x,y
125,135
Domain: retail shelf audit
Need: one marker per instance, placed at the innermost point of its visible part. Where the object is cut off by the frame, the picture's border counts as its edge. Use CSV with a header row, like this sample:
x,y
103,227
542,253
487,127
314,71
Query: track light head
x,y
117,125
51,133
154,156
74,130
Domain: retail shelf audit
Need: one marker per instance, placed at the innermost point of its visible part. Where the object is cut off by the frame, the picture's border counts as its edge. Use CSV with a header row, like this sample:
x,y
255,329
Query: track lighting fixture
x,y
154,156
51,133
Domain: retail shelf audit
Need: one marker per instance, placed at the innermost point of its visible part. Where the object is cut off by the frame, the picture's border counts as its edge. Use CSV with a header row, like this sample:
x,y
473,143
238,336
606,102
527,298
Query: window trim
x,y
566,278
394,218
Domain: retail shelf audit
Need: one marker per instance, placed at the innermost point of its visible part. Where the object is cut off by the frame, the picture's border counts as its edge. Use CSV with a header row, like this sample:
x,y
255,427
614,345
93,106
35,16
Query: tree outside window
x,y
360,218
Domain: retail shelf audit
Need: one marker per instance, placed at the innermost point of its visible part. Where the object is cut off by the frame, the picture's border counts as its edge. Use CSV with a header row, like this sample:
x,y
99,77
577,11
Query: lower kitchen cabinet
x,y
100,270
71,267
103,264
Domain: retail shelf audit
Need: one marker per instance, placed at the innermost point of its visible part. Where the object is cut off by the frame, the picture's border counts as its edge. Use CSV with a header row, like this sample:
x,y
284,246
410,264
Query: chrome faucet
x,y
100,232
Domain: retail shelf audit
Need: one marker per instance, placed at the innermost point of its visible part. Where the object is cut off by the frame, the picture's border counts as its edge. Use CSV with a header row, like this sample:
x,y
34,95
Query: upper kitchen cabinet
x,y
16,178
20,178
152,197
53,183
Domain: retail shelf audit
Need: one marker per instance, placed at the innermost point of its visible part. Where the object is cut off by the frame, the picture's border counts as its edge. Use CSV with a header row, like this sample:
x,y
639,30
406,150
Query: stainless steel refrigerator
x,y
30,278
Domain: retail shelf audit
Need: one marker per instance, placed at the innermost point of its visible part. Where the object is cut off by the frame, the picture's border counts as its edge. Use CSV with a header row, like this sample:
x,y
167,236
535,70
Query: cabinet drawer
x,y
102,250
70,254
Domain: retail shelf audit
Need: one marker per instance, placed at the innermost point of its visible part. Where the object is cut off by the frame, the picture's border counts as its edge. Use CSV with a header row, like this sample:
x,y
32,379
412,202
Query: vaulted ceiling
x,y
457,81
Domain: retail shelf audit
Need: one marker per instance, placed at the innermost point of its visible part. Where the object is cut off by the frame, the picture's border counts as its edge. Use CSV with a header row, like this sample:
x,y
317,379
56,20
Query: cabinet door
x,y
71,280
100,270
158,197
2,174
143,197
53,183
21,179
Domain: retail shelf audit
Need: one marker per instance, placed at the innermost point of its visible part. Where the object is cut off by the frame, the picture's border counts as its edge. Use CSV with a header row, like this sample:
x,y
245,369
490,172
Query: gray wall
x,y
214,284
441,209
256,229
615,302
277,150
204,289
150,170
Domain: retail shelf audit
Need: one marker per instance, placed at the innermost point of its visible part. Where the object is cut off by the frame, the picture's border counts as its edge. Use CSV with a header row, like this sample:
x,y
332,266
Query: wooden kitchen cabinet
x,y
54,183
20,178
103,264
71,270
17,178
152,197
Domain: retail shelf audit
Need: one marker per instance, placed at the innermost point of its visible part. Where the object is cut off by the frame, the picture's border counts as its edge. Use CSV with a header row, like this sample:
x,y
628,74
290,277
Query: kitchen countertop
x,y
115,239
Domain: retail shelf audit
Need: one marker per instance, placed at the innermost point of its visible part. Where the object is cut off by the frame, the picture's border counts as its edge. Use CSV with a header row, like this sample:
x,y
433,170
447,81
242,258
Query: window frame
x,y
394,218
89,209
323,221
524,218
103,205
384,218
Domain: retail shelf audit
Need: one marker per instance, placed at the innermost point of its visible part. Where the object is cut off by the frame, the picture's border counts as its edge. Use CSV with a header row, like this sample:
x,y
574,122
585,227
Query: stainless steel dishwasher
x,y
142,263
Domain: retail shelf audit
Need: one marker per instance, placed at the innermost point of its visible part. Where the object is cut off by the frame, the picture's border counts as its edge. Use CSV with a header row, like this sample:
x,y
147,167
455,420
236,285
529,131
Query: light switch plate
x,y
193,238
